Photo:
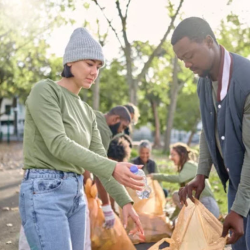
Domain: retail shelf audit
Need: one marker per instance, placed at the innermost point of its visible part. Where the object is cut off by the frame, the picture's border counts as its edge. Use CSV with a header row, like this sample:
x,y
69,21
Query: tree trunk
x,y
193,131
14,105
191,137
132,84
157,139
175,88
96,93
1,100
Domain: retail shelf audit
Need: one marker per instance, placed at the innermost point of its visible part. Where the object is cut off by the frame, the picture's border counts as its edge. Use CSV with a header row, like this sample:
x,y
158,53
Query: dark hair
x,y
133,110
195,28
122,112
119,149
66,71
183,151
130,108
128,139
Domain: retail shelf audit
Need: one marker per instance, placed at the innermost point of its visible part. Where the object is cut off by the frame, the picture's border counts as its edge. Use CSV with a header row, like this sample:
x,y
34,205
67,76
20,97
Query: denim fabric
x,y
53,210
87,245
244,242
211,204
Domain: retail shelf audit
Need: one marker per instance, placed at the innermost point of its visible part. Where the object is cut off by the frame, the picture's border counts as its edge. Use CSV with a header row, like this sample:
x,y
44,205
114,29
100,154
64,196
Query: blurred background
x,y
141,68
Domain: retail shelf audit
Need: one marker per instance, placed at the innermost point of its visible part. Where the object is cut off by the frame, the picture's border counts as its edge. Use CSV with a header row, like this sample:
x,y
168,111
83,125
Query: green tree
x,y
25,26
187,113
134,77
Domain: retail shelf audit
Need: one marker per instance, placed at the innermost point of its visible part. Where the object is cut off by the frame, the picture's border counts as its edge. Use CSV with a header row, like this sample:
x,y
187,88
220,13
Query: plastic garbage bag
x,y
154,222
101,238
196,229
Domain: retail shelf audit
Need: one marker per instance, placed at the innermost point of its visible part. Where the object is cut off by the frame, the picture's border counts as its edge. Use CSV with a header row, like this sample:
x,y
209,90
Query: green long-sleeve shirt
x,y
105,132
61,134
106,137
187,173
241,203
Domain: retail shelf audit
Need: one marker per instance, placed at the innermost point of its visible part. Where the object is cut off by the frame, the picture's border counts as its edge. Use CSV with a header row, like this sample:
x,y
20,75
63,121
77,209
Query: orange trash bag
x,y
196,229
154,222
101,238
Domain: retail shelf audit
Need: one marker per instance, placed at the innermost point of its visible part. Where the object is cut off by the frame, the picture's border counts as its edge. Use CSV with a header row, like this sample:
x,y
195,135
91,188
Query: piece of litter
x,y
9,242
14,209
6,209
9,225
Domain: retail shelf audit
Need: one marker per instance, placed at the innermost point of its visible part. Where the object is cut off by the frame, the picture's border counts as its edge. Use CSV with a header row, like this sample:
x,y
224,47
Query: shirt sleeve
x,y
105,140
187,173
241,203
156,168
117,191
43,105
205,160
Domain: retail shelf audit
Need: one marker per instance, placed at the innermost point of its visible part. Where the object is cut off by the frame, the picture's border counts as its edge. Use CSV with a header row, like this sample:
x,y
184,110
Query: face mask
x,y
114,128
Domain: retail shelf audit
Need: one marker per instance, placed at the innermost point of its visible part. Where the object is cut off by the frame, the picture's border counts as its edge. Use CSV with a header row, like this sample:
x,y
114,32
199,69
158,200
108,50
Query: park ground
x,y
11,163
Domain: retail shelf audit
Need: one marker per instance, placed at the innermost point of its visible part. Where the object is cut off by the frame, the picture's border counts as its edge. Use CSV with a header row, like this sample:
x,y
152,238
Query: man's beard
x,y
114,128
205,73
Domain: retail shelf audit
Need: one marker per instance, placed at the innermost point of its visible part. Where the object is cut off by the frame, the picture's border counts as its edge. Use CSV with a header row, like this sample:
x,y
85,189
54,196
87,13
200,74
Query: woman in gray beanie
x,y
61,141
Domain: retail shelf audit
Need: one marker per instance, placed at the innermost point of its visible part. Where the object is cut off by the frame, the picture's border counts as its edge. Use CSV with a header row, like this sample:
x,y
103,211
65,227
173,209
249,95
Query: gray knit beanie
x,y
82,46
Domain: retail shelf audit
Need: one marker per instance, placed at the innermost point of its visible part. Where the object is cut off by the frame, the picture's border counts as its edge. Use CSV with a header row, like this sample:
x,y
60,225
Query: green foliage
x,y
134,153
113,87
187,114
25,26
235,35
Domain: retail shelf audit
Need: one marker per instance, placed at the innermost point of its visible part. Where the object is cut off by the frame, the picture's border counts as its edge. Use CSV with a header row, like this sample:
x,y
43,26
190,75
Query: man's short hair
x,y
122,112
195,28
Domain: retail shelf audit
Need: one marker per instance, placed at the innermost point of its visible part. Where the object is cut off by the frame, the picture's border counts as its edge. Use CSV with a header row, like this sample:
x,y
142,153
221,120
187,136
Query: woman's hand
x,y
123,175
128,211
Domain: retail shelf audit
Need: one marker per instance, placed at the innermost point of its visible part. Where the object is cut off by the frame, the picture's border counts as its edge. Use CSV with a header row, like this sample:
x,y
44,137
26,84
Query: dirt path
x,y
10,178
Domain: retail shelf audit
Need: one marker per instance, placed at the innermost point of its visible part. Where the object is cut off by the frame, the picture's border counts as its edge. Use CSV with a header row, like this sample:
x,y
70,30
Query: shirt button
x,y
223,138
219,106
211,113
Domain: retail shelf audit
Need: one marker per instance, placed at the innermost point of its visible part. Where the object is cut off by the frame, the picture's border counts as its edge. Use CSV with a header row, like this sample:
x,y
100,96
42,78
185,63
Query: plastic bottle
x,y
144,194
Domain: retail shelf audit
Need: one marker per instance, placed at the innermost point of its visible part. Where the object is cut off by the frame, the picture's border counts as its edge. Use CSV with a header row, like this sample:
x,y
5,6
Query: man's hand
x,y
123,175
234,223
128,211
197,185
109,216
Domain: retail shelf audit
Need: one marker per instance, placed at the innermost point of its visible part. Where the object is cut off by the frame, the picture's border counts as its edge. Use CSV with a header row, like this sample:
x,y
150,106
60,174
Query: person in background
x,y
224,95
119,150
149,165
134,113
110,124
61,141
180,155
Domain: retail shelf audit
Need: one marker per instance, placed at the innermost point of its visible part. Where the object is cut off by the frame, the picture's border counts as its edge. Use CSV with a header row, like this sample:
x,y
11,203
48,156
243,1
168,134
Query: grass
x,y
166,166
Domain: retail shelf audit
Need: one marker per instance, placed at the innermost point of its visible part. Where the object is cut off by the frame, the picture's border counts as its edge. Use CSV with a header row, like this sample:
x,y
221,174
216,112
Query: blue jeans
x,y
211,205
53,210
244,242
